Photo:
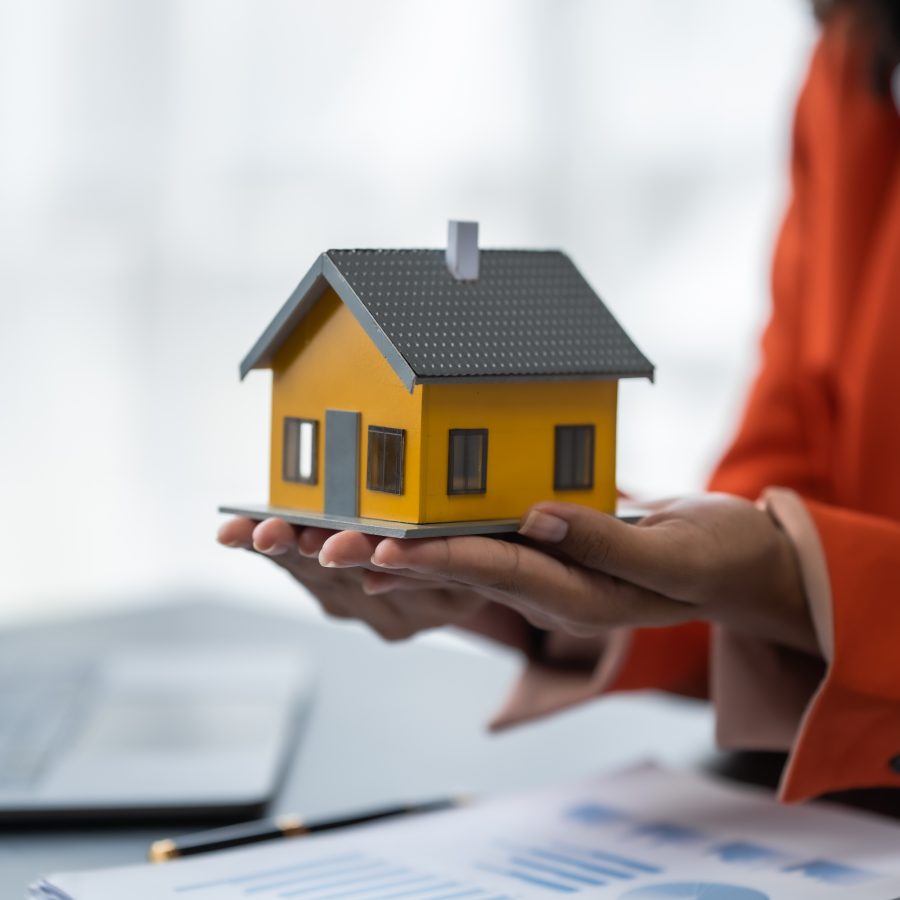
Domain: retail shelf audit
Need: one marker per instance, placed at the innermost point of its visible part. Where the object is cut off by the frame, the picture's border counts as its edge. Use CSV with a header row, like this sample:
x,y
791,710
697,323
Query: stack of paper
x,y
643,834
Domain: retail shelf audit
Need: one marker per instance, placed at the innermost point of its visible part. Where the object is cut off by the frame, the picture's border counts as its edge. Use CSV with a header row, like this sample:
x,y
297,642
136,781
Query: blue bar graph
x,y
695,890
747,853
830,872
615,859
374,881
595,814
528,878
556,871
564,868
366,888
267,873
667,833
361,871
349,875
610,871
421,890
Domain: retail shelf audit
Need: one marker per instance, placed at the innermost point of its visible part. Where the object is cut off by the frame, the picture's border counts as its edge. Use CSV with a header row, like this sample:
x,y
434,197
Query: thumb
x,y
645,556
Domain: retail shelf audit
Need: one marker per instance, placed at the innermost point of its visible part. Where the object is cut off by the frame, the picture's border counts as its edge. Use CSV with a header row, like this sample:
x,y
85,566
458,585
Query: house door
x,y
341,463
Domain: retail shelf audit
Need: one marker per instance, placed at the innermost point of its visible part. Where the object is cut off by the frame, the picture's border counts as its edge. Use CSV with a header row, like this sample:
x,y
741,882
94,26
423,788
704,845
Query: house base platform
x,y
387,528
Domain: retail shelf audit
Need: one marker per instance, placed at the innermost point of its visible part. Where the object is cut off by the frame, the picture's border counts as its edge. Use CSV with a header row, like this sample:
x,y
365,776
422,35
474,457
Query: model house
x,y
443,389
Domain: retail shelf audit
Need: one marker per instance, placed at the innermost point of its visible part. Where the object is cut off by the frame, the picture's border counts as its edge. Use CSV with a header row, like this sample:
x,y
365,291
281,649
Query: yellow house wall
x,y
520,418
330,363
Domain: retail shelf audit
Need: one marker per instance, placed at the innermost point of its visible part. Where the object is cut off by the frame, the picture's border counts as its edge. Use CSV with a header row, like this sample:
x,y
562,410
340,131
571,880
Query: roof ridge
x,y
393,250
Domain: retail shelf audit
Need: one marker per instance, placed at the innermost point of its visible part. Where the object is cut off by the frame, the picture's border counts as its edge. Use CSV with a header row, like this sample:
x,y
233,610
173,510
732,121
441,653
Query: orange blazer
x,y
823,418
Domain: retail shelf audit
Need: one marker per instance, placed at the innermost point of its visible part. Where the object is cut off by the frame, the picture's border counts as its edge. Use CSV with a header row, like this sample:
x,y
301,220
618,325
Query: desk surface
x,y
389,722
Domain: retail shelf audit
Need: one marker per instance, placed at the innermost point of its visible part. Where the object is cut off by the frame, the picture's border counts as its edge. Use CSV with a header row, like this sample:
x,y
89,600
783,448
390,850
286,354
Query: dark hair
x,y
877,24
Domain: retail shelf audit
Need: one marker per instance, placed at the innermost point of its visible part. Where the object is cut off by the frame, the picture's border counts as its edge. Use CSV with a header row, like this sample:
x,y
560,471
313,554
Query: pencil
x,y
280,827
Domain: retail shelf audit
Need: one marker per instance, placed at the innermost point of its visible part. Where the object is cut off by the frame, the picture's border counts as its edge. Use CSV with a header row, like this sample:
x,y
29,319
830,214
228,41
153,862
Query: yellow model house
x,y
422,392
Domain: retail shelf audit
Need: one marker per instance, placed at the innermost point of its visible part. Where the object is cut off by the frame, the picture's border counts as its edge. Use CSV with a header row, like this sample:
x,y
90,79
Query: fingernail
x,y
544,527
274,550
382,565
332,563
373,590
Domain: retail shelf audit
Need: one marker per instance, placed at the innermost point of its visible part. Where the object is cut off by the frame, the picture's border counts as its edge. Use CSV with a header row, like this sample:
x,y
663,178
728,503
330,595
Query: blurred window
x,y
385,461
467,469
574,458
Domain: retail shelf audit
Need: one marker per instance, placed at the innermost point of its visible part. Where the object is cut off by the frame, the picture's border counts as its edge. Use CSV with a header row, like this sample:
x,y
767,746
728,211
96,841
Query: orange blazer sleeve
x,y
850,733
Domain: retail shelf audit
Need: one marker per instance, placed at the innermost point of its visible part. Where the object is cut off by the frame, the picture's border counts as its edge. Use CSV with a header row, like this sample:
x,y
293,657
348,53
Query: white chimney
x,y
462,250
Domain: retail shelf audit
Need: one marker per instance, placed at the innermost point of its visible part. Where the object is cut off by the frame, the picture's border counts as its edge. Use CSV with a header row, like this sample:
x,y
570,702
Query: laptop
x,y
154,732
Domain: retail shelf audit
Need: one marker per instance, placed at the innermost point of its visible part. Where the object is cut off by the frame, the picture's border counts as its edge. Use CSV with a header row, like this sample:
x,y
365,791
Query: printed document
x,y
642,834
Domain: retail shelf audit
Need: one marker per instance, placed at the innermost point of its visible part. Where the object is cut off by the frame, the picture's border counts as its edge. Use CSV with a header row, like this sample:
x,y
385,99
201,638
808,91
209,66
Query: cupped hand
x,y
715,557
336,568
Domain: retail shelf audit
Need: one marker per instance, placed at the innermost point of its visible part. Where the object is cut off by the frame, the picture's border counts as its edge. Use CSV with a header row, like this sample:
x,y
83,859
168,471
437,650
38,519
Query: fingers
x,y
482,562
663,558
427,607
286,544
311,541
351,549
237,533
375,582
309,553
292,548
546,590
344,549
274,537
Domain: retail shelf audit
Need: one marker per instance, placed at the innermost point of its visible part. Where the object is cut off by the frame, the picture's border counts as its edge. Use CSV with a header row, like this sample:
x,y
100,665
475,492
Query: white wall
x,y
169,170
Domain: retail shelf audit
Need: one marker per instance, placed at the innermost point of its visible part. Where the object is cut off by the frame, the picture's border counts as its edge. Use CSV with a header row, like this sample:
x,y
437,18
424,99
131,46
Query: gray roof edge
x,y
323,271
572,376
362,315
443,250
650,371
293,310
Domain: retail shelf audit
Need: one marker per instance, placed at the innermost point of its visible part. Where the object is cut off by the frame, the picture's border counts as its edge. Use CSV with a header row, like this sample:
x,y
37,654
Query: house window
x,y
301,442
467,469
384,470
574,460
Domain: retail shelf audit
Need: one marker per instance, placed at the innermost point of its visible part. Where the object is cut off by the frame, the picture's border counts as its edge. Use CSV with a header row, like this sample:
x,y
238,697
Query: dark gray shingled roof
x,y
529,315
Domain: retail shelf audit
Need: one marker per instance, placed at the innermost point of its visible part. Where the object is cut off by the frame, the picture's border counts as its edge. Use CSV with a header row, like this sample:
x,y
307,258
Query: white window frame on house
x,y
301,450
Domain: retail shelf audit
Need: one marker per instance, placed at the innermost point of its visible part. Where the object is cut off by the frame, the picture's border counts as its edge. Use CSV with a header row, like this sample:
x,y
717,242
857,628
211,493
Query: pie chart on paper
x,y
694,890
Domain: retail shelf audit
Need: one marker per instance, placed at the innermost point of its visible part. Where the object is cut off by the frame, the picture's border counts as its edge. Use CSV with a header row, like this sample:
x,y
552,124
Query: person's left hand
x,y
715,557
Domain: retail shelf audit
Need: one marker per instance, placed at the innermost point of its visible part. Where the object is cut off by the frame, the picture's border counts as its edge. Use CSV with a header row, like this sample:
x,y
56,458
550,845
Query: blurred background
x,y
169,171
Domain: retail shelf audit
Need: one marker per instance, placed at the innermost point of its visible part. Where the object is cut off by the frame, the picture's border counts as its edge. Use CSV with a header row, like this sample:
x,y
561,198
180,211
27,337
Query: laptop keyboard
x,y
37,715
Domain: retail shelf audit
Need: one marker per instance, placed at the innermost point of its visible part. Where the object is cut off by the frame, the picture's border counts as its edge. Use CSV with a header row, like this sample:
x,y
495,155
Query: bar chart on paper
x,y
341,875
556,868
695,890
643,834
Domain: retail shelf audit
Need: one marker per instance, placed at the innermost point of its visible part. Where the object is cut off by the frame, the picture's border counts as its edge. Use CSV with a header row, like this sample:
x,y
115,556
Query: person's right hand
x,y
335,567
